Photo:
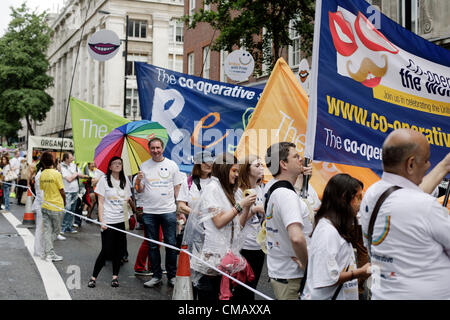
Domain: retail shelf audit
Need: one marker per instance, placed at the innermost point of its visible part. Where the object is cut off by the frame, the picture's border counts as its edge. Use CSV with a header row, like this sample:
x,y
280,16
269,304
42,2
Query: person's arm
x,y
247,212
101,201
183,207
436,175
223,218
139,187
176,190
360,273
63,195
298,243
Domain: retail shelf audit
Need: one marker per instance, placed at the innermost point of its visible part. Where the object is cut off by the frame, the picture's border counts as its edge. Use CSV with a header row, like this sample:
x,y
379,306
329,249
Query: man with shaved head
x,y
410,243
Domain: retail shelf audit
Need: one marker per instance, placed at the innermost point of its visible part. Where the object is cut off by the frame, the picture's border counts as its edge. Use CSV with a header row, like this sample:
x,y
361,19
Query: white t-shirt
x,y
410,242
67,171
191,196
159,181
114,199
253,225
15,164
284,208
328,255
37,203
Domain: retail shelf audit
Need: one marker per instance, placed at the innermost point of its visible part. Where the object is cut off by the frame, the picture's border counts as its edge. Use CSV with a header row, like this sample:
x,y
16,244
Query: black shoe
x,y
91,283
114,283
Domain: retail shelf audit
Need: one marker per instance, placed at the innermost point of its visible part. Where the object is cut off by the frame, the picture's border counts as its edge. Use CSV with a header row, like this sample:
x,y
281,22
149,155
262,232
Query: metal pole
x,y
125,73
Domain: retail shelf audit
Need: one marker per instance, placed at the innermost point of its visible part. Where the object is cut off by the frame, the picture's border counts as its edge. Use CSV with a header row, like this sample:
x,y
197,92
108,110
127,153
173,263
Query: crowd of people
x,y
348,245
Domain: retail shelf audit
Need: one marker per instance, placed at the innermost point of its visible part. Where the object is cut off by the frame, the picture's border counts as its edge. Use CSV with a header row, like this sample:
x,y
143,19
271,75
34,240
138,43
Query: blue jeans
x,y
71,201
168,223
6,191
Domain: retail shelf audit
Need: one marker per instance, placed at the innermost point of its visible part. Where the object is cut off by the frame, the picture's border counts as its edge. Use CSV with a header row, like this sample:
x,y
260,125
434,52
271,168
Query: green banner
x,y
89,125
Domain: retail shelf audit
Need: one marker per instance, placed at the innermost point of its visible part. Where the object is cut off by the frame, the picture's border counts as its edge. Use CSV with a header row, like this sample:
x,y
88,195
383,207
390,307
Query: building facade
x,y
154,36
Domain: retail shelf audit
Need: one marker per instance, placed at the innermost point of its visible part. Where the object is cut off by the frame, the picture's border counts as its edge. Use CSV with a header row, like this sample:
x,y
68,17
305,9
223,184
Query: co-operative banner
x,y
371,76
89,125
198,114
281,115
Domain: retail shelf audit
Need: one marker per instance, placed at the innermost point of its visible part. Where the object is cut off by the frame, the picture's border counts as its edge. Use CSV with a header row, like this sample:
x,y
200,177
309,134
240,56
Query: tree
x,y
23,71
262,27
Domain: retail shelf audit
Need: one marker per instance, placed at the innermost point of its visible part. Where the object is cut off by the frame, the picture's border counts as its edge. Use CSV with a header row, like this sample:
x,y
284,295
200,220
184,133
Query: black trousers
x,y
113,249
255,259
207,288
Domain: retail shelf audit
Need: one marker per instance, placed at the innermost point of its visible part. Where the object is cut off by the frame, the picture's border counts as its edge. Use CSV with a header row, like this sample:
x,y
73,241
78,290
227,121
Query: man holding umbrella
x,y
159,181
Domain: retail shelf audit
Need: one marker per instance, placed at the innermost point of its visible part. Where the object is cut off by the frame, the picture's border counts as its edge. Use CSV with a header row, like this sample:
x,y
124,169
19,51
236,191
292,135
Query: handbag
x,y
11,175
132,222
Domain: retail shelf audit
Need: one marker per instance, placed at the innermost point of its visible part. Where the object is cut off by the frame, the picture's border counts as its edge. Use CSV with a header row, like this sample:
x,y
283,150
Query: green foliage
x,y
23,71
241,23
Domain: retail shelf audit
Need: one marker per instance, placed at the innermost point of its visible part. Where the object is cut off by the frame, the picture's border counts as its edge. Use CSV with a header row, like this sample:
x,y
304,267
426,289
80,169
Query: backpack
x,y
196,180
261,237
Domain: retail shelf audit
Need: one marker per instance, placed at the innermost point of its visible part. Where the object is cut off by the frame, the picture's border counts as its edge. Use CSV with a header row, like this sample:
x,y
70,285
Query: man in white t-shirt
x,y
411,235
159,181
287,253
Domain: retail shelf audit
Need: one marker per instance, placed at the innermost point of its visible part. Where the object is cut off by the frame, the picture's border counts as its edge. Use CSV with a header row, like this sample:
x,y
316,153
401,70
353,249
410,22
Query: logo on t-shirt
x,y
164,173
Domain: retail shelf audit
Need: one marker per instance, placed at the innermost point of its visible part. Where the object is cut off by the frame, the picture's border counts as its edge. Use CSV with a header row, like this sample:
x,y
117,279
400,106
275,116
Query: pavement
x,y
24,277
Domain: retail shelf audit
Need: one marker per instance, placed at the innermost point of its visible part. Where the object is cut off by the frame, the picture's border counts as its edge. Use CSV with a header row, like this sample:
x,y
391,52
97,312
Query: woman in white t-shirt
x,y
332,272
114,194
214,227
251,174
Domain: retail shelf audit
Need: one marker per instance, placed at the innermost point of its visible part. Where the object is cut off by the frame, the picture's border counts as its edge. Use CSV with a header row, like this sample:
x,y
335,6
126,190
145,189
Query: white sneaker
x,y
75,225
60,237
54,258
152,283
84,213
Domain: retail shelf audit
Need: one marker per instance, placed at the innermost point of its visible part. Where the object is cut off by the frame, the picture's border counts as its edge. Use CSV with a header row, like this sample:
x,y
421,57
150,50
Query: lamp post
x,y
125,54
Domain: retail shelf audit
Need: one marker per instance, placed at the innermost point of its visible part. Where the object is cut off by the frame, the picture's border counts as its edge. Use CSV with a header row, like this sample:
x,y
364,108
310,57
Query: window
x,y
191,63
223,56
206,62
137,28
132,103
176,29
206,7
130,62
405,18
191,7
176,62
294,49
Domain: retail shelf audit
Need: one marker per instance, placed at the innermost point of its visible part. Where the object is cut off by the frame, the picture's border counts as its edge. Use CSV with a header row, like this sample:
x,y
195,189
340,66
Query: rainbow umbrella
x,y
130,142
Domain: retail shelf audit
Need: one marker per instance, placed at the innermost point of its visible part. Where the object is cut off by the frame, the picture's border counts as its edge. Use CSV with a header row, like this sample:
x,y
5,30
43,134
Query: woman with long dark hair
x,y
6,168
251,174
114,193
332,271
218,218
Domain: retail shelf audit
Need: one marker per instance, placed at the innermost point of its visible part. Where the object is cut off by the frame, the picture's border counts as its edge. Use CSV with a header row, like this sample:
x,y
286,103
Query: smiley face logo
x,y
245,58
163,173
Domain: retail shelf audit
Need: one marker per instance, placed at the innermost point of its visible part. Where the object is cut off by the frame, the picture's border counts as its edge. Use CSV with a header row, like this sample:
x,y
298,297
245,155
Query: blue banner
x,y
198,114
371,76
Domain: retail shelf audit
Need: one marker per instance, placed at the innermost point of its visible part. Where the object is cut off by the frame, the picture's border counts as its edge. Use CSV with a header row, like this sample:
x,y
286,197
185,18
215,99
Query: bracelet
x,y
238,207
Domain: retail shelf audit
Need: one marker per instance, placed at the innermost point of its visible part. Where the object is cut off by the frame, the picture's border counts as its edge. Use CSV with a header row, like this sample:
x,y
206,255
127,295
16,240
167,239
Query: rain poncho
x,y
207,242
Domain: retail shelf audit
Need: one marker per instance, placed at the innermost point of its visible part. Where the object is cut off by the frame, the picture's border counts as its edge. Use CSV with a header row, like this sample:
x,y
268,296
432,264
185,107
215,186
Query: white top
x,y
191,196
37,203
284,208
115,198
217,242
67,171
159,181
15,164
410,243
253,225
328,255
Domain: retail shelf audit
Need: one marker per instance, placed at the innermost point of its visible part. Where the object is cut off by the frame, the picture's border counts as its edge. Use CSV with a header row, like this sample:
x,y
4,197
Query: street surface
x,y
24,277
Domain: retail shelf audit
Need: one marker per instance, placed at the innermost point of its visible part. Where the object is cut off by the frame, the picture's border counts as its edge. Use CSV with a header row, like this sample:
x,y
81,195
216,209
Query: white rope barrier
x,y
151,240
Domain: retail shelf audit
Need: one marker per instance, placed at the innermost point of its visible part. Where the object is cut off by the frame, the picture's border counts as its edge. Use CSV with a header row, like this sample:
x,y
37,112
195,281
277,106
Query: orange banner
x,y
281,115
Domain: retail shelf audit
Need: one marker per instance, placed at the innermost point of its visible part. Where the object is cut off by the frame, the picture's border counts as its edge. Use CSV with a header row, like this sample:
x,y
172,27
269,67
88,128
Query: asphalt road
x,y
21,278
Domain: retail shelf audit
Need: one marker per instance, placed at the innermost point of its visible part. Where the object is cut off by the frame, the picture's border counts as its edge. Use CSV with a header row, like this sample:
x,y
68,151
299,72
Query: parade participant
x,y
114,193
37,209
6,170
332,272
70,175
286,222
410,243
51,183
15,166
24,177
251,174
213,230
190,191
160,182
